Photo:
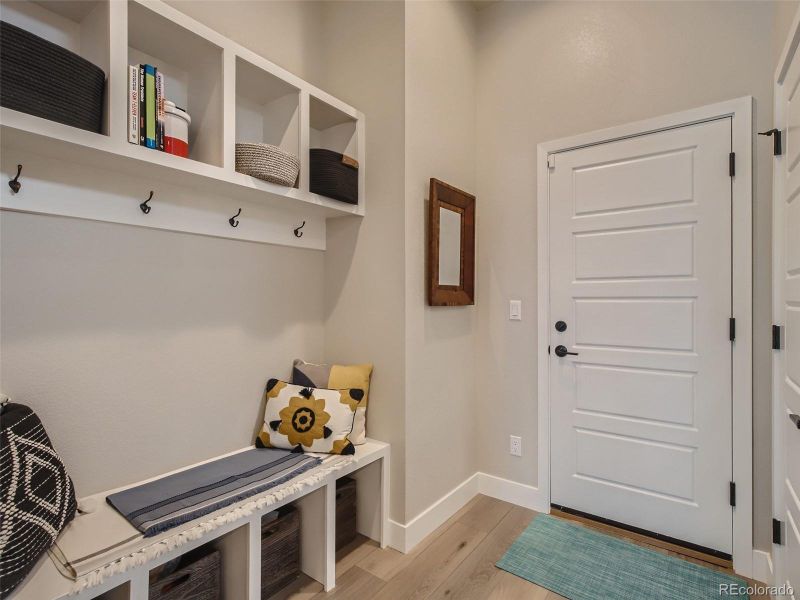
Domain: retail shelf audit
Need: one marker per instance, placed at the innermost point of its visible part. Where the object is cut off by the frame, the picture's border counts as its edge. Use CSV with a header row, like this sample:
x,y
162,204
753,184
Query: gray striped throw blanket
x,y
176,499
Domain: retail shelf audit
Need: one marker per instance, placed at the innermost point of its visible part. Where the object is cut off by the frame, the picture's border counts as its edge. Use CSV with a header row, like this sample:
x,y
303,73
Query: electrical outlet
x,y
515,445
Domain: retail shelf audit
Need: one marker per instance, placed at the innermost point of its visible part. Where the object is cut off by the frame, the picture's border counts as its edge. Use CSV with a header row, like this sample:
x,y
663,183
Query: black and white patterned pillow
x,y
37,498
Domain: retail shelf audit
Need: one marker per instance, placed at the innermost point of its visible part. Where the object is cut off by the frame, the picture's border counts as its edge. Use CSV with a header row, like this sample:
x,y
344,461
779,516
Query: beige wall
x,y
440,341
785,11
549,70
144,350
363,282
353,50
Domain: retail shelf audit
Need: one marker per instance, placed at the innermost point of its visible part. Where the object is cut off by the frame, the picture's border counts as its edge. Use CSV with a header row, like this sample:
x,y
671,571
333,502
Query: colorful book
x,y
133,104
142,127
150,105
160,110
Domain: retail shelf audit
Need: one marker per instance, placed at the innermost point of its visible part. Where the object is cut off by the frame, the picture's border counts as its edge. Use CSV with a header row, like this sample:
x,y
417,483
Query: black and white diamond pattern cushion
x,y
37,498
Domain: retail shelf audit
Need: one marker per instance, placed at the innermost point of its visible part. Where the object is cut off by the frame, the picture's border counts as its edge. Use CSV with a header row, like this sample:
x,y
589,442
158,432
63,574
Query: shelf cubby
x,y
267,108
81,27
333,129
192,69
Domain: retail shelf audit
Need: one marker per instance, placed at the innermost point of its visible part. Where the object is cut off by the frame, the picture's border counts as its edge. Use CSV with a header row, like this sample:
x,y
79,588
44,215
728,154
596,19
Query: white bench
x,y
239,541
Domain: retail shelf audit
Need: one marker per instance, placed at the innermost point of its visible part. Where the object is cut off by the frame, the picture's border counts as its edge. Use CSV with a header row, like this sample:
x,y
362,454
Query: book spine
x,y
160,110
133,104
142,129
150,105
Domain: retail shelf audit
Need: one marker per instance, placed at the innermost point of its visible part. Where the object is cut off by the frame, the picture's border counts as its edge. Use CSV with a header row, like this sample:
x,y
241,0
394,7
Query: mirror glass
x,y
449,247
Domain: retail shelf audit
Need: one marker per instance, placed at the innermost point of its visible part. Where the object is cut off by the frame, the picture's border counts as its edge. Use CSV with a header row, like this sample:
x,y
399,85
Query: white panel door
x,y
786,388
640,273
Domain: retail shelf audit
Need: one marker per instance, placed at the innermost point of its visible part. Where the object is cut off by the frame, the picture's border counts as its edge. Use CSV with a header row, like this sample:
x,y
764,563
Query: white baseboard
x,y
520,494
405,537
762,567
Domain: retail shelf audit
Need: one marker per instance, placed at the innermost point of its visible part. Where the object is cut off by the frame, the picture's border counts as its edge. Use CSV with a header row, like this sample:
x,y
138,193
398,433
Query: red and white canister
x,y
176,129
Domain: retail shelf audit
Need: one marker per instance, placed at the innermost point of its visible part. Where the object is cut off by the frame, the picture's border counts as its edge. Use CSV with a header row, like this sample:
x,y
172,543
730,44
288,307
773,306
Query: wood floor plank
x,y
302,588
505,586
427,572
389,562
471,580
355,584
484,513
355,552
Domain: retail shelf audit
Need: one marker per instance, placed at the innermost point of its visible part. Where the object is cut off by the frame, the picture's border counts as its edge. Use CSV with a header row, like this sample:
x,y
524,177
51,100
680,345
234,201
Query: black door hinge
x,y
732,328
775,134
777,532
776,337
548,349
732,164
732,493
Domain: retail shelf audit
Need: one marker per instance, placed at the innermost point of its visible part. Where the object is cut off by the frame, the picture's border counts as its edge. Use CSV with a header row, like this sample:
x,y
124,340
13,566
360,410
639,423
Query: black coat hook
x,y
233,221
297,232
13,183
145,206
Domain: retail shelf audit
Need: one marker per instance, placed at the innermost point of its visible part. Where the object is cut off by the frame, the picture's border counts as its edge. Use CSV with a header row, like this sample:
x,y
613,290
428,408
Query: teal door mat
x,y
582,564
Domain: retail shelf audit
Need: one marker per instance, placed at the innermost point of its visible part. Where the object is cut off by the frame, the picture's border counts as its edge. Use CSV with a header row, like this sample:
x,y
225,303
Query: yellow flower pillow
x,y
337,377
307,419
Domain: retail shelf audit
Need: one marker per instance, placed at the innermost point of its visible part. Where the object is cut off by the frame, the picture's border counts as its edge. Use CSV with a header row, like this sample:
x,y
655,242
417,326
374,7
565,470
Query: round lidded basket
x,y
267,162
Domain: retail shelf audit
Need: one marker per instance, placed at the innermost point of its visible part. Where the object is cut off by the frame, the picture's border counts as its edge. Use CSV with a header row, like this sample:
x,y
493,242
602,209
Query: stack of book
x,y
146,106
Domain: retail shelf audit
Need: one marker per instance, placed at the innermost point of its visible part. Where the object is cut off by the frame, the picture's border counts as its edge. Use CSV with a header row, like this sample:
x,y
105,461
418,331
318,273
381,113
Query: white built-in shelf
x,y
239,541
232,95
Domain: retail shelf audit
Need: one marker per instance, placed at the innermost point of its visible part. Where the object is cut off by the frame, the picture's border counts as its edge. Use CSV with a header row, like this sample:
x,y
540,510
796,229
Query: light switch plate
x,y
515,310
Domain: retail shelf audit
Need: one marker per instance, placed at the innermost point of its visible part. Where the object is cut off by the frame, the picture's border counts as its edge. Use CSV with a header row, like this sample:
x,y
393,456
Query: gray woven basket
x,y
267,162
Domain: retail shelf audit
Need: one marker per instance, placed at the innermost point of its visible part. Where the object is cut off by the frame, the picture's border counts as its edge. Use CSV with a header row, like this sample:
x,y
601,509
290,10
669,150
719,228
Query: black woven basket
x,y
43,79
333,175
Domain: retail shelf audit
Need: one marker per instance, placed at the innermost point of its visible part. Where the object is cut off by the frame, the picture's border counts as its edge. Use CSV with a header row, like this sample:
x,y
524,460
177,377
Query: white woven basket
x,y
267,162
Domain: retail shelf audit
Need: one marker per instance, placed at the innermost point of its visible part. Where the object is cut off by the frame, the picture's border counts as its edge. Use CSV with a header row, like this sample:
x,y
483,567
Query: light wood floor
x,y
454,562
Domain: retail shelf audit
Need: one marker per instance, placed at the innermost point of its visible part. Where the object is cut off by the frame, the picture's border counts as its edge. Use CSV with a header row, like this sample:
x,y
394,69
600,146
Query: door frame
x,y
791,48
741,112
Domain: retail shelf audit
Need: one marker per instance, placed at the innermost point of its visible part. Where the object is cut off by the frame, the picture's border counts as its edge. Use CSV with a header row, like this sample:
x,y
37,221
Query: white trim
x,y
520,494
405,537
778,270
741,111
762,567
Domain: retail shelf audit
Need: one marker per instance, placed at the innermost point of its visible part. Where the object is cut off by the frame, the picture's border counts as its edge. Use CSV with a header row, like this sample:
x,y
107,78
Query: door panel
x,y
626,184
662,396
640,234
627,322
635,253
786,362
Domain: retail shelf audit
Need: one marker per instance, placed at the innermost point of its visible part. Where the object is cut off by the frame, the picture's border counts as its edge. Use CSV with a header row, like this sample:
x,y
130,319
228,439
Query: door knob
x,y
561,352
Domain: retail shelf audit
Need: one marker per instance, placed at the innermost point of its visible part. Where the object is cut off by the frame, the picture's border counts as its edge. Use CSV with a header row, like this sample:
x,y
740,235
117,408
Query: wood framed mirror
x,y
451,246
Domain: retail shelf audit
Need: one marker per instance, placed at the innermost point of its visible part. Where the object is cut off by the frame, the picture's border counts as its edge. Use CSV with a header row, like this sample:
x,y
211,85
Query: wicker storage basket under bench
x,y
280,550
197,577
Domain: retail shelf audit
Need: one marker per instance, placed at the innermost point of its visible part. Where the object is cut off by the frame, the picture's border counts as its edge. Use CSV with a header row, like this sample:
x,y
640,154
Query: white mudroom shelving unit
x,y
232,95
239,541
